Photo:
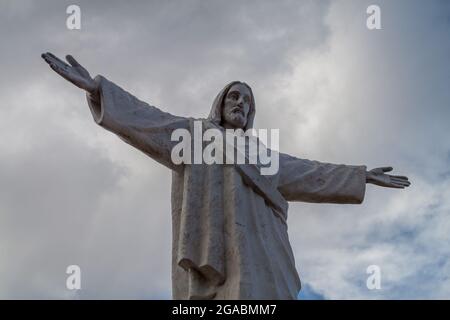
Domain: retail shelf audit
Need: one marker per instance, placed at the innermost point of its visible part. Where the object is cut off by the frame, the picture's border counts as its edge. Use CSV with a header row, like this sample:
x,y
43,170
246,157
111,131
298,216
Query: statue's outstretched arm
x,y
139,124
314,181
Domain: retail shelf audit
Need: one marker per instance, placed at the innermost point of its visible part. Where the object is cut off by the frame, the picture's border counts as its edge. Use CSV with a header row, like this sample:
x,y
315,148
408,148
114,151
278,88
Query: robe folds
x,y
229,230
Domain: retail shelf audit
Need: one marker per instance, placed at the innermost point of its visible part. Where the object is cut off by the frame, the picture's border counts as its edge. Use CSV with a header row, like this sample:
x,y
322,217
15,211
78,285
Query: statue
x,y
229,231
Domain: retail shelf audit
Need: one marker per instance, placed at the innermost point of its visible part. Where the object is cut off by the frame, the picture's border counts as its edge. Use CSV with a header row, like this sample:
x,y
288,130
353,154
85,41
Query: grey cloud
x,y
73,193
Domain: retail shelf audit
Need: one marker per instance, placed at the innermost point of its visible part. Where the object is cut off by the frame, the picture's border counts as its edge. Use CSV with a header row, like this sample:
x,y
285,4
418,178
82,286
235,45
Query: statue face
x,y
236,106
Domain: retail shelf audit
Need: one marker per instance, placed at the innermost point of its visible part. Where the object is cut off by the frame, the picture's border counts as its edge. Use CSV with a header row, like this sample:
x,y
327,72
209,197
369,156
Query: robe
x,y
229,224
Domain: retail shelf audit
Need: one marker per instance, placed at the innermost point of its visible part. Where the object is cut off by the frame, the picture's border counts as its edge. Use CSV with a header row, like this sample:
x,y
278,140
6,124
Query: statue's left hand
x,y
379,177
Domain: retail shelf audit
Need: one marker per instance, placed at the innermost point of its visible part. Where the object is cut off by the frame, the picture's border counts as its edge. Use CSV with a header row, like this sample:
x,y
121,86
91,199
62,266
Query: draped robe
x,y
229,231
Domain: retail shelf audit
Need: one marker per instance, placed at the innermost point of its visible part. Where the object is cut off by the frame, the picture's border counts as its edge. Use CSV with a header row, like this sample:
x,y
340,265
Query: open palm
x,y
379,177
75,72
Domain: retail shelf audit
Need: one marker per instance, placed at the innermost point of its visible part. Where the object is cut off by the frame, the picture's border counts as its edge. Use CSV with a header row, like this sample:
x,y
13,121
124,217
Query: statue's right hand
x,y
74,72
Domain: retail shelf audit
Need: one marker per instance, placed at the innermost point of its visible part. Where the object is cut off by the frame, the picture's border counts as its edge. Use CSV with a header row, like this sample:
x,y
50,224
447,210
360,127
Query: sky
x,y
72,193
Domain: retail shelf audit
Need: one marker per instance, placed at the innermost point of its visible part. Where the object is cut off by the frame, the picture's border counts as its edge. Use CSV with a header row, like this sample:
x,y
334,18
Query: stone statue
x,y
229,228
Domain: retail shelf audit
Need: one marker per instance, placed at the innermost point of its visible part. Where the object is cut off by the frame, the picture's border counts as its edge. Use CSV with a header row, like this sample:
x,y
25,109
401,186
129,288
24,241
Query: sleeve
x,y
313,181
143,126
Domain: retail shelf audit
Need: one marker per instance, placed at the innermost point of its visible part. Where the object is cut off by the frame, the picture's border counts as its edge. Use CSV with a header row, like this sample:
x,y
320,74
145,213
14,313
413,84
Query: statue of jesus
x,y
229,223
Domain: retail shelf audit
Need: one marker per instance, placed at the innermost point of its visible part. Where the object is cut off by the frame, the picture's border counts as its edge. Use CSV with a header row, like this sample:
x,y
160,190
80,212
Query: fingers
x,y
400,177
46,57
51,58
72,61
56,64
78,67
74,72
386,169
403,185
56,58
394,178
400,182
61,71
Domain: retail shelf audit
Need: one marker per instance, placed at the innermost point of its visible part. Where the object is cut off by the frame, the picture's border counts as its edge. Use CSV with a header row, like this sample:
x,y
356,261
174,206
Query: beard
x,y
237,120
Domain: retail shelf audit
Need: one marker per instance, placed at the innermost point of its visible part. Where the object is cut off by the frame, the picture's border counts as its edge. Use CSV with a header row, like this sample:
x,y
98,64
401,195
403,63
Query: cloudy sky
x,y
73,193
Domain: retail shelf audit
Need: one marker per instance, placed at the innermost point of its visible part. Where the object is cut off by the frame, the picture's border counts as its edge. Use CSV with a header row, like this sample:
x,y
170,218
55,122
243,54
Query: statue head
x,y
234,106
